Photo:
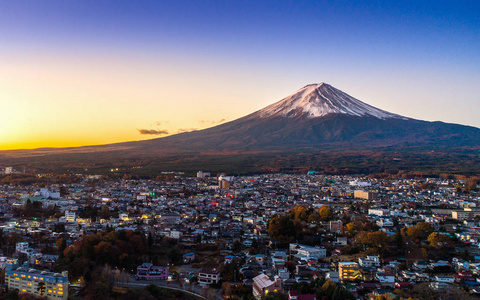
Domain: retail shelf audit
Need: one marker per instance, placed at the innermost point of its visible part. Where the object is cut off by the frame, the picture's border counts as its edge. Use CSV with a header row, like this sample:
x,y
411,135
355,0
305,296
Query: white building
x,y
262,285
385,222
333,276
176,234
304,251
206,277
21,247
386,278
369,261
378,212
70,216
48,194
446,279
359,183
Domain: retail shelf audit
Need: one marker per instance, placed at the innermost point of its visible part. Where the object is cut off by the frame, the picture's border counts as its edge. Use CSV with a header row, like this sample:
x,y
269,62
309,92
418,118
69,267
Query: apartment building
x,y
349,270
38,283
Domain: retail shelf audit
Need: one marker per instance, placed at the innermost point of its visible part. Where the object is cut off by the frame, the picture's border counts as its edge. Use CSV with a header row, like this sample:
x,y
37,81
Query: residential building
x,y
303,251
207,276
262,285
369,261
386,278
364,195
188,258
148,271
170,218
21,247
70,216
349,270
38,283
335,226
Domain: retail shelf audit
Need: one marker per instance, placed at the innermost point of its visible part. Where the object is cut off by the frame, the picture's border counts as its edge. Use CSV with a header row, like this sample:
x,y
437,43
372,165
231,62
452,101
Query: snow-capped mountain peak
x,y
317,100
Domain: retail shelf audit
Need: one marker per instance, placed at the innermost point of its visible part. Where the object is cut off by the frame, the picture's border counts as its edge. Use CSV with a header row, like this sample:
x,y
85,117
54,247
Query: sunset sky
x,y
95,72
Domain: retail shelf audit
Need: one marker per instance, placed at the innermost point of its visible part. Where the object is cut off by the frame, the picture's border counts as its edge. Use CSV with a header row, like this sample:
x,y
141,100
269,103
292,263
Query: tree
x,y
227,289
420,231
299,213
398,239
237,246
350,228
325,213
281,228
377,239
61,245
174,256
437,239
341,293
329,287
275,296
471,184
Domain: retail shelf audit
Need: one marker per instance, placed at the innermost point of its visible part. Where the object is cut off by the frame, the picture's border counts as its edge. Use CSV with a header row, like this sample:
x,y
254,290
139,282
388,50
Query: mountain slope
x,y
318,120
318,115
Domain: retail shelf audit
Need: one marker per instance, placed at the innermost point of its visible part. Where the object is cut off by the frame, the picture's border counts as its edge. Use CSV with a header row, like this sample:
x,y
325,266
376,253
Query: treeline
x,y
29,179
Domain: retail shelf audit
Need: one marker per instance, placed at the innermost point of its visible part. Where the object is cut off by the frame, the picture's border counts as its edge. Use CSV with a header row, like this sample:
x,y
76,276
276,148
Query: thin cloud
x,y
182,130
152,131
159,123
211,122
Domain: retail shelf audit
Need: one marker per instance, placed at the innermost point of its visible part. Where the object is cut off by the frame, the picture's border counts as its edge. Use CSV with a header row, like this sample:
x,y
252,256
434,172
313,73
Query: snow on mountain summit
x,y
317,100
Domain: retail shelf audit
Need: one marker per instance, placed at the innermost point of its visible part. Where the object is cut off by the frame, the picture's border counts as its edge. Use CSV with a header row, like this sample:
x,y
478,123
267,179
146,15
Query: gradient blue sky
x,y
94,72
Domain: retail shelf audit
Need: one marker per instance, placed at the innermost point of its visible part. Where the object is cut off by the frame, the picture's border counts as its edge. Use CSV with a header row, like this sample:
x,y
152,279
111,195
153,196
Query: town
x,y
213,236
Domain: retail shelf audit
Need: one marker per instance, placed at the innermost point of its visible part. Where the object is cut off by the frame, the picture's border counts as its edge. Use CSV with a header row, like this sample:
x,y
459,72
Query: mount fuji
x,y
321,116
316,126
318,100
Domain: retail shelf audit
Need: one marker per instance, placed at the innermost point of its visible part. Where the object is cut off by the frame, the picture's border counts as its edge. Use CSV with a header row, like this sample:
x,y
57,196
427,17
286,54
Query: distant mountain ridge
x,y
318,118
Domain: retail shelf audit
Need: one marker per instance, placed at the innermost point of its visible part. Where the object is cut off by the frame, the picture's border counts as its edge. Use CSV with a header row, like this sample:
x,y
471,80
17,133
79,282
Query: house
x,y
284,274
207,276
247,243
148,271
188,257
385,222
260,258
170,218
386,278
262,285
228,259
341,241
420,265
369,261
303,251
335,226
332,276
446,279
